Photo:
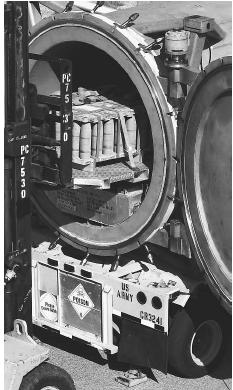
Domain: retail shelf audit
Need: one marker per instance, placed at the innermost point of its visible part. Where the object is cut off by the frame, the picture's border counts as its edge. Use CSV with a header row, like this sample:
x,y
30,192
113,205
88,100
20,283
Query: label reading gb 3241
x,y
151,317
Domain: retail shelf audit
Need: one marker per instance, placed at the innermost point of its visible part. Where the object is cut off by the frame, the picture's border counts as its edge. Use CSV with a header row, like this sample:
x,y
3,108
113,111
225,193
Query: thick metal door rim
x,y
171,163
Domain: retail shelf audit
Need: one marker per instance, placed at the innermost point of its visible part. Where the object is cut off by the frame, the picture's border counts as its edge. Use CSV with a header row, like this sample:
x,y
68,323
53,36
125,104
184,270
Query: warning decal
x,y
81,301
48,306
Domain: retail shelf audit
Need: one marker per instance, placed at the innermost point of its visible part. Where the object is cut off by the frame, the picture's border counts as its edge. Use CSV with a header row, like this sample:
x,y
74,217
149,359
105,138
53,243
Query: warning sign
x,y
48,306
81,301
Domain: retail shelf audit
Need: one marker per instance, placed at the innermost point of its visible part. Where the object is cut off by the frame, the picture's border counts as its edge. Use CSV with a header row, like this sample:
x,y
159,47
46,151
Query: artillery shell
x,y
94,131
108,137
131,126
85,141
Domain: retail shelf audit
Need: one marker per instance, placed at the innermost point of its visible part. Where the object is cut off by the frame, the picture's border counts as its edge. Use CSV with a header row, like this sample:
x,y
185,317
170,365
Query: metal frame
x,y
119,296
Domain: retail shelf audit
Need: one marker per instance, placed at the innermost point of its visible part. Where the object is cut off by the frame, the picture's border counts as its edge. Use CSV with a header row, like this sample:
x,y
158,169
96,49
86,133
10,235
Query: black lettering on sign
x,y
80,301
125,287
151,317
125,295
23,190
49,307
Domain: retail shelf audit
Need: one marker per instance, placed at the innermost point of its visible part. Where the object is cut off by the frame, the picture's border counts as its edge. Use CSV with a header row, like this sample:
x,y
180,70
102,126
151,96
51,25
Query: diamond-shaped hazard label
x,y
81,301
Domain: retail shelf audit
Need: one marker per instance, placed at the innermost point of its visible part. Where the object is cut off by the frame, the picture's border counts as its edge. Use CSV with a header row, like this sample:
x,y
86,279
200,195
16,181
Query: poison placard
x,y
81,301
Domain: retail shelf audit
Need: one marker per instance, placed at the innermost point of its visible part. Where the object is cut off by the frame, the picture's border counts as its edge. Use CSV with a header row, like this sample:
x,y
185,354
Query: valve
x,y
176,48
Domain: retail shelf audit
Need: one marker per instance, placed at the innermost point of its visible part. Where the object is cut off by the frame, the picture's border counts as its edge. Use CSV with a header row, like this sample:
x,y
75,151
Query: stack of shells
x,y
85,129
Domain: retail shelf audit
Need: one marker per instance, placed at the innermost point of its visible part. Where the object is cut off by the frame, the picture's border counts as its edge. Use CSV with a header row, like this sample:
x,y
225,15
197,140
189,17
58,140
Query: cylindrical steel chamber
x,y
106,58
103,54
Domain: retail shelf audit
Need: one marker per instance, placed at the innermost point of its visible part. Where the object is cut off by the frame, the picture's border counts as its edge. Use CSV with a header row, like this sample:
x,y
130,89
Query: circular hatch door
x,y
206,176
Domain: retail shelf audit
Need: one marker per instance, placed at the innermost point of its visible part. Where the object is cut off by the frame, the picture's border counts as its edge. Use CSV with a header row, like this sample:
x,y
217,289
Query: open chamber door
x,y
205,173
136,200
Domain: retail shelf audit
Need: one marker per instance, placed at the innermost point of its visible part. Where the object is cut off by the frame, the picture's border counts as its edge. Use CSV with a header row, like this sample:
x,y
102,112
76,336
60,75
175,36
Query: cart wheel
x,y
194,343
47,377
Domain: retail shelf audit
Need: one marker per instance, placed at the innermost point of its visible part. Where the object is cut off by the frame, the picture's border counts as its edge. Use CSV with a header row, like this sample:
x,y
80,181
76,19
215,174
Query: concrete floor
x,y
91,372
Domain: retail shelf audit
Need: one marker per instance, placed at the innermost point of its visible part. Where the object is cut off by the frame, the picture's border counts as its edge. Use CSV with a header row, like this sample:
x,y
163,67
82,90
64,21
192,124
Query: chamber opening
x,y
92,67
132,203
102,90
